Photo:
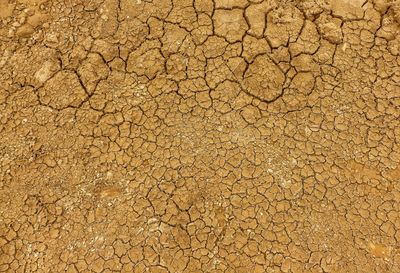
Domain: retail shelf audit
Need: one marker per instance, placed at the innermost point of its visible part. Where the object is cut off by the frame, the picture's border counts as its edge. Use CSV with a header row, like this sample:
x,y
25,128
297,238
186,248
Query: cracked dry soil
x,y
200,136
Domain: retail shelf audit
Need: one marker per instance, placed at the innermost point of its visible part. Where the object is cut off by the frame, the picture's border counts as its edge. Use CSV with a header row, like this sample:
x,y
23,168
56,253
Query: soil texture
x,y
226,136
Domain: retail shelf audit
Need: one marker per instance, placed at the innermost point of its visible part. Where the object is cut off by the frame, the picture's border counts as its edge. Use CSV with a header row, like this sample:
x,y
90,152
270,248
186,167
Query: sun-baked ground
x,y
200,136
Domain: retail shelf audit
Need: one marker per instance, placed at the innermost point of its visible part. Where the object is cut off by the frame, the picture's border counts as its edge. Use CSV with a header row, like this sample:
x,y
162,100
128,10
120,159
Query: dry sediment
x,y
199,136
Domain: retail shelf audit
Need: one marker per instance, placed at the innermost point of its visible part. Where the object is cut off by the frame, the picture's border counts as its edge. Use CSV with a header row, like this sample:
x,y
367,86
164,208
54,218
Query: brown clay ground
x,y
199,136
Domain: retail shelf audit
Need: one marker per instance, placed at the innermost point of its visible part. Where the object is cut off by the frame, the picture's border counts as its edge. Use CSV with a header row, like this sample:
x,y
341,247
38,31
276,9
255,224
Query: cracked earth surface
x,y
199,136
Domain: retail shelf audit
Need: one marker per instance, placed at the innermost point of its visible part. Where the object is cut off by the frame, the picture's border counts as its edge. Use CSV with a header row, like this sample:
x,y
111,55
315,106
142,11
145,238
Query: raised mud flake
x,y
62,91
283,26
263,79
32,18
255,14
230,24
330,29
46,71
348,9
390,27
332,32
311,8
